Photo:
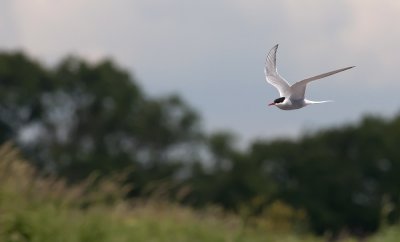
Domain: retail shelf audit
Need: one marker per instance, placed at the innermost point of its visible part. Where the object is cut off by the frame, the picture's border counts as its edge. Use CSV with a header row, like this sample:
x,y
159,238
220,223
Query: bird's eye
x,y
279,100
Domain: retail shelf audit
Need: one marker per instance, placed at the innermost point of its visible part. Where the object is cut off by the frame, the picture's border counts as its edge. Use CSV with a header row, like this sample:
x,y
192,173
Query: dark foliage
x,y
76,119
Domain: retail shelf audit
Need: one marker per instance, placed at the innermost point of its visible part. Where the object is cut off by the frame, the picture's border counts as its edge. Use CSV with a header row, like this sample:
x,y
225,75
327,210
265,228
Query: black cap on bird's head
x,y
276,101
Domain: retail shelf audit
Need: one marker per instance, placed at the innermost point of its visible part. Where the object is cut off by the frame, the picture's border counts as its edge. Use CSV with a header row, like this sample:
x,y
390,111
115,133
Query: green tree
x,y
232,179
79,118
340,176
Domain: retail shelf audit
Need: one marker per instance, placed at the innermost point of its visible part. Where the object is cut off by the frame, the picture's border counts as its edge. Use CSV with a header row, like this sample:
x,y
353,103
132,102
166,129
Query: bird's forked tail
x,y
317,102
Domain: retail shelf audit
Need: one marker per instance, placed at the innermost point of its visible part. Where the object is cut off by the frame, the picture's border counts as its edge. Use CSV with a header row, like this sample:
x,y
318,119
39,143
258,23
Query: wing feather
x,y
299,88
272,76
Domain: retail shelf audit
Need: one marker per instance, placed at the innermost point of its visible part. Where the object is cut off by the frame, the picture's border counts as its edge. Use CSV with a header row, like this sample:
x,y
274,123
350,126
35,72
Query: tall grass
x,y
34,208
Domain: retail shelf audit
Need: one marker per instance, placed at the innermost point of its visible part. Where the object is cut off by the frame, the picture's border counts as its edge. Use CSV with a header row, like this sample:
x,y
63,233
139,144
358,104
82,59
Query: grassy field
x,y
41,210
146,223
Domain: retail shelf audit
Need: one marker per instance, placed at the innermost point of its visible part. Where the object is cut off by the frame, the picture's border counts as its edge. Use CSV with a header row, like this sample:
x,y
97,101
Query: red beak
x,y
271,104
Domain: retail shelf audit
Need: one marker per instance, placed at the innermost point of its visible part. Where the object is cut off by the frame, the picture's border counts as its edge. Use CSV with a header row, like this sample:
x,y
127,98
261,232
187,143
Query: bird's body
x,y
290,104
291,96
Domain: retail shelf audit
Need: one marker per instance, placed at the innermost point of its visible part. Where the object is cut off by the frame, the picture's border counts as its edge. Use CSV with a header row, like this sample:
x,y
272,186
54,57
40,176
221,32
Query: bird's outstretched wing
x,y
272,75
299,88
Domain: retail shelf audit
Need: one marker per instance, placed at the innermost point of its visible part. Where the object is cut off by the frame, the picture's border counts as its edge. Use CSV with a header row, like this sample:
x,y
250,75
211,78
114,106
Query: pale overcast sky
x,y
212,53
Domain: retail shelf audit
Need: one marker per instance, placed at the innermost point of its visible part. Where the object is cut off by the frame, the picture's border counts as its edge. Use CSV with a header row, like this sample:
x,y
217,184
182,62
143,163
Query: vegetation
x,y
45,209
95,142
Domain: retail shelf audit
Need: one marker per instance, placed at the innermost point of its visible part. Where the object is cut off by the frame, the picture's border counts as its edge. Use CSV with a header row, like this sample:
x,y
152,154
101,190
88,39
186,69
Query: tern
x,y
291,96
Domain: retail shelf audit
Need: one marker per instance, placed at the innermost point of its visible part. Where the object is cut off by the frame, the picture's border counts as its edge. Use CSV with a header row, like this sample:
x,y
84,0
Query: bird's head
x,y
276,101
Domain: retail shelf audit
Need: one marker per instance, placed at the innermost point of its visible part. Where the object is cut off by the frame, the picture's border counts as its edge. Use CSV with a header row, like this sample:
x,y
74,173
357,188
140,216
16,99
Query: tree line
x,y
76,119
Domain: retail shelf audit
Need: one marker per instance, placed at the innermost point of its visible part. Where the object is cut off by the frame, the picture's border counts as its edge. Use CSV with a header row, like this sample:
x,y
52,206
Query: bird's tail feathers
x,y
317,102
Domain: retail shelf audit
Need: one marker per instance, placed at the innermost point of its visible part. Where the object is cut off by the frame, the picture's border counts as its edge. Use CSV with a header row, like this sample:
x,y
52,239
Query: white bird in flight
x,y
291,96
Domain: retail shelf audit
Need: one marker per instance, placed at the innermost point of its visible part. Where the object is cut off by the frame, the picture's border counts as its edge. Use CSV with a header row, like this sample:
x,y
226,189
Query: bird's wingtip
x,y
350,67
